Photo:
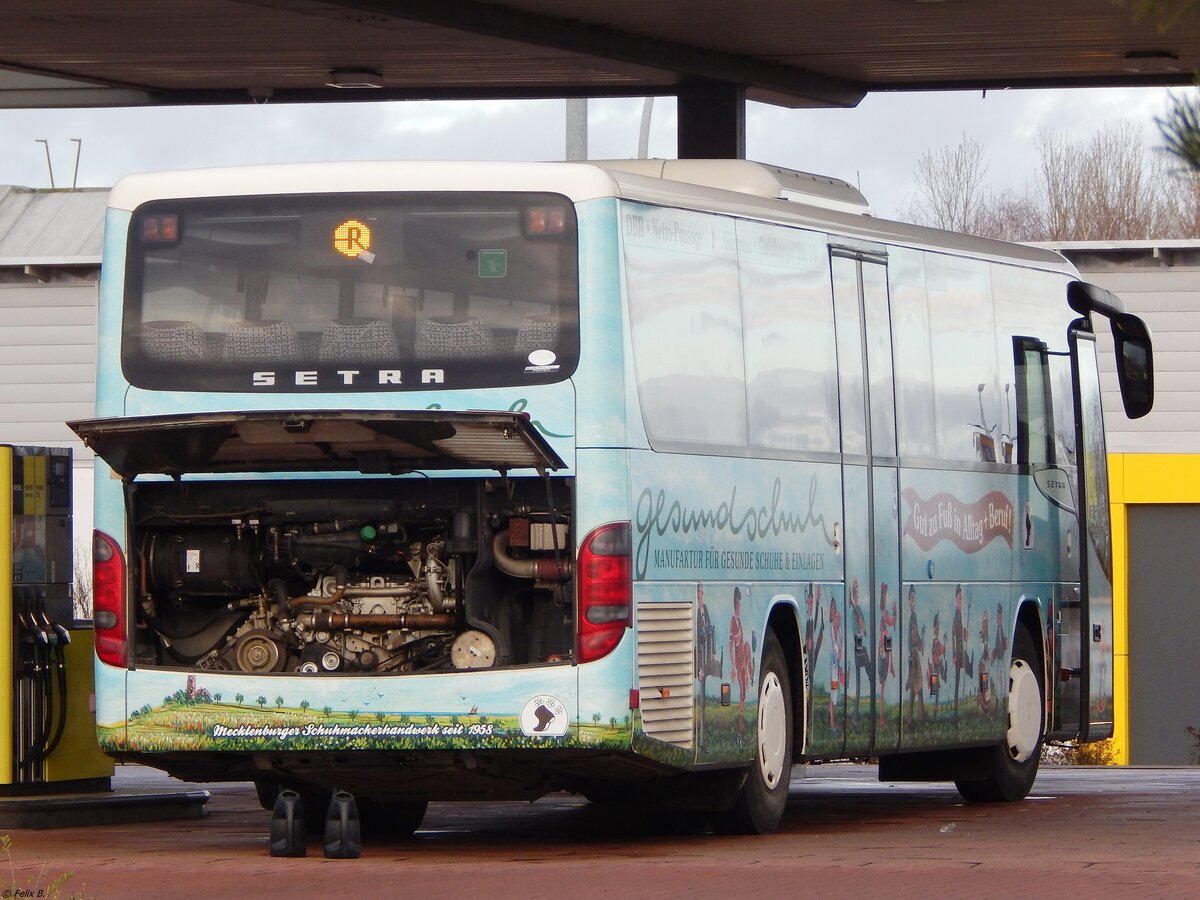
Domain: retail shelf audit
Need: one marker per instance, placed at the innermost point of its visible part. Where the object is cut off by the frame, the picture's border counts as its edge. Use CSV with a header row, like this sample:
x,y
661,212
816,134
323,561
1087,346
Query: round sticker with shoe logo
x,y
544,716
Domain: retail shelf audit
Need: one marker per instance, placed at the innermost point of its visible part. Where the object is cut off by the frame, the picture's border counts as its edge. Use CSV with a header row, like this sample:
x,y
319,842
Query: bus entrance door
x,y
871,499
1094,619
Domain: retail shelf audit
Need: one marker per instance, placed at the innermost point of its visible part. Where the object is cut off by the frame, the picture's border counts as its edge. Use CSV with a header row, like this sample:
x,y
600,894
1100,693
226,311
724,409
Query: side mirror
x,y
1135,364
1135,353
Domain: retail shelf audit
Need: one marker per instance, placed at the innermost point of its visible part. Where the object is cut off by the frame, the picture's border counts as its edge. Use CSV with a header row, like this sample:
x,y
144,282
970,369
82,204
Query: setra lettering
x,y
340,378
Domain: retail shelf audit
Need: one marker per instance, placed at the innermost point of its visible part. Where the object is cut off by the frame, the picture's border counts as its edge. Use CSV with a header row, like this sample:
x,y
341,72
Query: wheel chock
x,y
288,835
343,831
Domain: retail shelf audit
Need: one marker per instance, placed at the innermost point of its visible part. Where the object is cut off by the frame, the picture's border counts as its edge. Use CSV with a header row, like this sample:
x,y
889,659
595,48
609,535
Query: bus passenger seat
x,y
537,333
261,340
351,340
172,340
445,336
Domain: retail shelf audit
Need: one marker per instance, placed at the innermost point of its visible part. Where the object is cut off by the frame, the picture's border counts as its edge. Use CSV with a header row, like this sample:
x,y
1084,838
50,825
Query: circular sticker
x,y
544,716
542,358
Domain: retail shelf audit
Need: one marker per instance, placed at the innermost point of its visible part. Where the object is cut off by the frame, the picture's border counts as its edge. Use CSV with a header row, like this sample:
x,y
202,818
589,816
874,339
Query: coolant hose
x,y
539,568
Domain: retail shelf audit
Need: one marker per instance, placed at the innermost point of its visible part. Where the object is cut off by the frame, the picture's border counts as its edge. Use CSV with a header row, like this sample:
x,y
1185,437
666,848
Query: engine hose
x,y
540,568
305,600
233,606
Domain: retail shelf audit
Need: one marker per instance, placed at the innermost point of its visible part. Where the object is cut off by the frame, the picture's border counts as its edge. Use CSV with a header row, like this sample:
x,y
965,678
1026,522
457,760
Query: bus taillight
x,y
605,590
108,600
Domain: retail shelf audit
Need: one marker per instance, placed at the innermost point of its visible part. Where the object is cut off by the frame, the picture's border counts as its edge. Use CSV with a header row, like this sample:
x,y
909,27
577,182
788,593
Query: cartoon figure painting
x,y
862,646
884,660
916,646
958,643
741,659
985,676
1000,645
813,636
837,672
937,664
708,662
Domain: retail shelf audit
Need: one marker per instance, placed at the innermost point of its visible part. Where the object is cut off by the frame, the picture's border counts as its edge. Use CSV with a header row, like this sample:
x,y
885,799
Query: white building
x,y
50,246
1154,480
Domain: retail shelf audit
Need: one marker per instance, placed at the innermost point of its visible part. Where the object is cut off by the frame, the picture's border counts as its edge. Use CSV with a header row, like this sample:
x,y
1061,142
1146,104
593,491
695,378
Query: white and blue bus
x,y
648,480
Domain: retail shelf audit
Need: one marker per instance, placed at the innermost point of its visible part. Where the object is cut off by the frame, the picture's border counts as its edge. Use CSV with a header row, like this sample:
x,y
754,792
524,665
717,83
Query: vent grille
x,y
665,678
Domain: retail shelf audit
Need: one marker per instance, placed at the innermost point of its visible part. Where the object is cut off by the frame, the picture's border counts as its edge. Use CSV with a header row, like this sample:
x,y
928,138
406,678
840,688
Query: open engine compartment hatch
x,y
370,442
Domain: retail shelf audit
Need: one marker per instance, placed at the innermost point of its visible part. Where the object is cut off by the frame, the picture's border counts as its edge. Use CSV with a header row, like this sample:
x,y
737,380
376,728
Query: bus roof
x,y
735,187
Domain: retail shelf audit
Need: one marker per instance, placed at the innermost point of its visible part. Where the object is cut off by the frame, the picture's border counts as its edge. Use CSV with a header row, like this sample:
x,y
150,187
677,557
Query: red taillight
x,y
605,585
108,600
543,220
163,229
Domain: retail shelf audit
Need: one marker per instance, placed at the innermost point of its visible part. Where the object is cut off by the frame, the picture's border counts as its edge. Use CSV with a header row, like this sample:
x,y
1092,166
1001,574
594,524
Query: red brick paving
x,y
1119,832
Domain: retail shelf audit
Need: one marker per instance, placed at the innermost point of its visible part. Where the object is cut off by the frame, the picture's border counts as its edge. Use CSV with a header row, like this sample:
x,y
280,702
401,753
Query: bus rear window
x,y
351,292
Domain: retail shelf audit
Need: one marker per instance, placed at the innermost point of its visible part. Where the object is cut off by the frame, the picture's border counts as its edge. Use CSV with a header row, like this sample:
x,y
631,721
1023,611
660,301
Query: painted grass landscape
x,y
210,722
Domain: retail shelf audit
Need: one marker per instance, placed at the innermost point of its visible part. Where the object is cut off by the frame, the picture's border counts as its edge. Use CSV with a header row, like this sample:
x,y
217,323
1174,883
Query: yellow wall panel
x,y
1137,478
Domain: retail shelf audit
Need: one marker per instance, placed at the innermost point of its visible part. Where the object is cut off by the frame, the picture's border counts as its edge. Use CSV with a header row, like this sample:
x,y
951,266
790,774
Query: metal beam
x,y
690,63
712,122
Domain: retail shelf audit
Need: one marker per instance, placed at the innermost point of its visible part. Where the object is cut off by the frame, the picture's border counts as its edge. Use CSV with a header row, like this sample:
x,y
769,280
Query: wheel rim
x,y
1024,711
772,730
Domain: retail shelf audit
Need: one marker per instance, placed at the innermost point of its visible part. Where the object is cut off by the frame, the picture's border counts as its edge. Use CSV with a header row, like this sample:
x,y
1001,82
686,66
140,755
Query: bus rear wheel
x,y
393,818
1013,764
382,818
764,792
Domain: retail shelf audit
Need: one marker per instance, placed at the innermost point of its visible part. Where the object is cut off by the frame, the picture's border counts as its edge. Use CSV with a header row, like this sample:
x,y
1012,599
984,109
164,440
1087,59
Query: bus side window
x,y
686,324
968,395
1035,414
851,365
913,360
789,338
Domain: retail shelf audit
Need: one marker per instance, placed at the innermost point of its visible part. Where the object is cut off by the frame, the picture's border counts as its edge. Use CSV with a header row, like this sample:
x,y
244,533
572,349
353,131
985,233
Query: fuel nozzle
x,y
47,628
32,628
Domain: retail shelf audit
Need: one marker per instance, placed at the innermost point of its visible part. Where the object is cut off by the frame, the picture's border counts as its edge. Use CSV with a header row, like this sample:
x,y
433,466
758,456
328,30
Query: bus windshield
x,y
351,292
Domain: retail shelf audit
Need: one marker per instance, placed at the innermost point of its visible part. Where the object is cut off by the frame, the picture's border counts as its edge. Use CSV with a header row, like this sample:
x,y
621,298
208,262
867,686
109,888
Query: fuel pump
x,y
46,677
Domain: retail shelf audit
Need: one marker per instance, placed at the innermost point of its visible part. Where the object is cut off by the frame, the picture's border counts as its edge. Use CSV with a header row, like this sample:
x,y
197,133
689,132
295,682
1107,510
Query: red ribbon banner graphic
x,y
970,526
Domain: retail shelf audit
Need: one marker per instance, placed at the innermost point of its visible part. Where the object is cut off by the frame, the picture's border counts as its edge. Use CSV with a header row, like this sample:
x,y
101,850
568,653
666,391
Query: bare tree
x,y
1100,189
1181,206
1109,187
950,191
1013,216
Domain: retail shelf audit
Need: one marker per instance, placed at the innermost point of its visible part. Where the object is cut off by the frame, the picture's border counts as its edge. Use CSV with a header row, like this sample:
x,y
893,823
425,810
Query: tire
x,y
1013,764
391,819
764,792
377,818
267,791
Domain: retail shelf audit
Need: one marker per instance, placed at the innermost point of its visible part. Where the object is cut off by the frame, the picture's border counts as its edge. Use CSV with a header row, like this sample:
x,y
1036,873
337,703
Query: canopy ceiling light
x,y
354,78
1151,62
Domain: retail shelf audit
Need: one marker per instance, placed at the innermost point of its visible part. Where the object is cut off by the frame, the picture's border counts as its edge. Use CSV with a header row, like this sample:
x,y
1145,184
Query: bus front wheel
x,y
764,791
1013,764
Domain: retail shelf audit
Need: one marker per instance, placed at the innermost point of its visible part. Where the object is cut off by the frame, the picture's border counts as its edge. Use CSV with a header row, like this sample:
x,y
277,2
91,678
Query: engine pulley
x,y
259,651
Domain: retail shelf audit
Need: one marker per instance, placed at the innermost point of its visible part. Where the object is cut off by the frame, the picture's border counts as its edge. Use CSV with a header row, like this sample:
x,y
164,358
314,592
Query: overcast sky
x,y
875,145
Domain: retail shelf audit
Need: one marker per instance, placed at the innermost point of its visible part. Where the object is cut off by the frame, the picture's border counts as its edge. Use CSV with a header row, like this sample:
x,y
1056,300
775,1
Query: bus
x,y
645,480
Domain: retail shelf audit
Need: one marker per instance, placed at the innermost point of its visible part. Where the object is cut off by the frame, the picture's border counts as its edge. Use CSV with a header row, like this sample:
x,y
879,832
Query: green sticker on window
x,y
493,263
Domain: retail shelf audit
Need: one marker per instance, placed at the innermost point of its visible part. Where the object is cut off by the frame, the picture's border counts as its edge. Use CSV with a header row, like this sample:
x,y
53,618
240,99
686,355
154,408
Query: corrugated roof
x,y
39,227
